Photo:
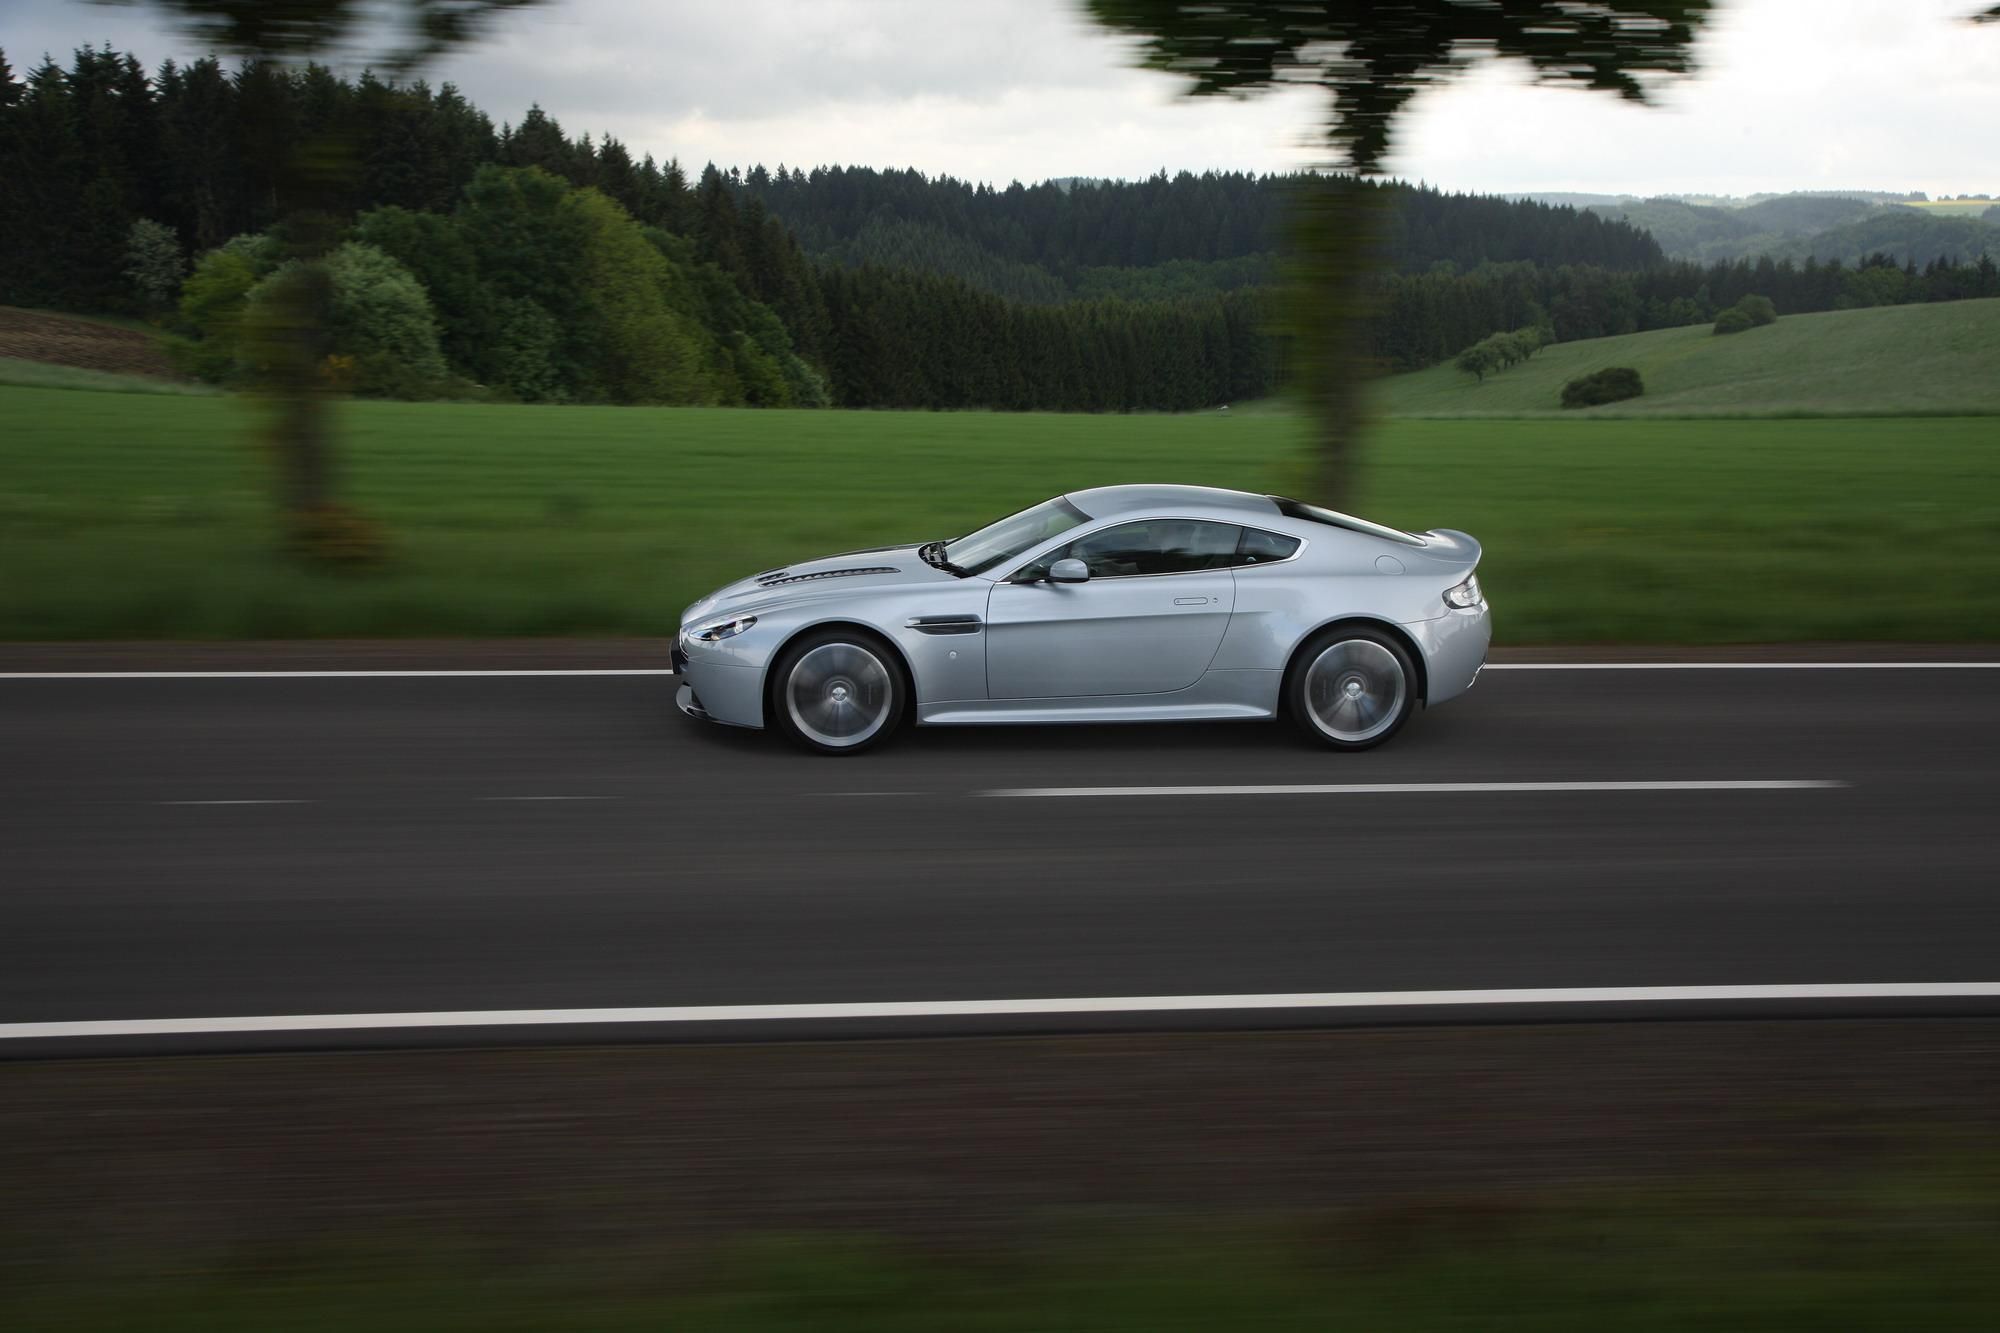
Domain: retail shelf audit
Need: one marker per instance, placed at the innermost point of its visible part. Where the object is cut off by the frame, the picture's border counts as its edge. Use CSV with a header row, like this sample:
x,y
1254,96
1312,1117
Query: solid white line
x,y
1740,666
315,675
1114,1004
662,671
1394,788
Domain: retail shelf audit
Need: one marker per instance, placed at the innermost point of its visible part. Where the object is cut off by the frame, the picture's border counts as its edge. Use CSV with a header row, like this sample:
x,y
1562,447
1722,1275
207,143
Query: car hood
x,y
876,569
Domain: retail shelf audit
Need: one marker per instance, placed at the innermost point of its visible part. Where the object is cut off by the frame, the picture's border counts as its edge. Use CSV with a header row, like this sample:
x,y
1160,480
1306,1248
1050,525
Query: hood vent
x,y
778,578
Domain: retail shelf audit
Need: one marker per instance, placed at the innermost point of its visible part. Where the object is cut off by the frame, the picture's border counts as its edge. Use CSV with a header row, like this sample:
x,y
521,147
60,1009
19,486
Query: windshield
x,y
1014,535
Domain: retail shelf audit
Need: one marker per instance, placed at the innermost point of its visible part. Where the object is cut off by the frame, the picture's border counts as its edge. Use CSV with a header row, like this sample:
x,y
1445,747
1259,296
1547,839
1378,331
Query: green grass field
x,y
123,516
42,375
1896,360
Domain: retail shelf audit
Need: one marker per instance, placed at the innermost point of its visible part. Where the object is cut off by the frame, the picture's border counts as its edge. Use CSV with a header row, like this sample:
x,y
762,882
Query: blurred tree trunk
x,y
295,340
292,342
294,354
1335,256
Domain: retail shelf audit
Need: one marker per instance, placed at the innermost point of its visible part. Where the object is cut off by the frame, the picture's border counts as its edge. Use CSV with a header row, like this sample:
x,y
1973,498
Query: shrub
x,y
1734,320
211,311
1751,312
1759,308
1606,386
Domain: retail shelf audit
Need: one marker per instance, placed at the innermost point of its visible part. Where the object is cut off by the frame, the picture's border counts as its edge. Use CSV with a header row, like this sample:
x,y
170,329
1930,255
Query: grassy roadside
x,y
1899,1254
1748,1175
18,373
124,516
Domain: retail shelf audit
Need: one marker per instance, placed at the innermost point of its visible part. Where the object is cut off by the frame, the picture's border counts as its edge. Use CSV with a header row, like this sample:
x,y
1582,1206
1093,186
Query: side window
x,y
1156,546
1262,548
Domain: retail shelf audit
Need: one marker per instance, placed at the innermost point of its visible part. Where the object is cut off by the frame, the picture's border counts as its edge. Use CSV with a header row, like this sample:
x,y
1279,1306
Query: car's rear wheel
x,y
1352,687
837,692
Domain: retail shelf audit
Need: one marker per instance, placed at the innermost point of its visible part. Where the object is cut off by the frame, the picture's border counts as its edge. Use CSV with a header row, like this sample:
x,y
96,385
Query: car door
x,y
1147,621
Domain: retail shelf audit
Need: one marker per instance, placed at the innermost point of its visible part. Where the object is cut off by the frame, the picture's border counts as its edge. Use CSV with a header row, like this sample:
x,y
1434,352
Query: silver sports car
x,y
1120,604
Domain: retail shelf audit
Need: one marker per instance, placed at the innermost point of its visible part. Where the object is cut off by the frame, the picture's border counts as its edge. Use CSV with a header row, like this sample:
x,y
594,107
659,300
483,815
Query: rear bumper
x,y
1454,647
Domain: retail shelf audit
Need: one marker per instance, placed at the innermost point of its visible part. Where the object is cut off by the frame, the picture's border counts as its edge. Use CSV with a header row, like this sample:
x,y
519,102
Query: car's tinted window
x,y
1262,548
1314,514
1149,546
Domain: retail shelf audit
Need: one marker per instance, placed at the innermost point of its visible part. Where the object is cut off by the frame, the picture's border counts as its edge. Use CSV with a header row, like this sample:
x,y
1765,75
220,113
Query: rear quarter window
x,y
1257,547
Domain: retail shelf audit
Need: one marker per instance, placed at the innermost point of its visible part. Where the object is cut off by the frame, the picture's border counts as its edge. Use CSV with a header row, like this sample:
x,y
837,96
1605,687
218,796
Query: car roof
x,y
1112,501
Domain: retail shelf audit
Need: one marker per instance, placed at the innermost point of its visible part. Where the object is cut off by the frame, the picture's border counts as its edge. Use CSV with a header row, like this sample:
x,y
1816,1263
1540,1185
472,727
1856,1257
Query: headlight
x,y
728,629
1464,596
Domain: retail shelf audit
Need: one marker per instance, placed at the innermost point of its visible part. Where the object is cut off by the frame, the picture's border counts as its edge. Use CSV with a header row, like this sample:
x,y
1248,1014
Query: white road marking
x,y
1740,666
1111,1004
548,798
237,802
1394,788
662,671
315,675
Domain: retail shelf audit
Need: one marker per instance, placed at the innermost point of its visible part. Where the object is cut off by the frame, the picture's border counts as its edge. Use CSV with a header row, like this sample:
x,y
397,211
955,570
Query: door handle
x,y
1192,601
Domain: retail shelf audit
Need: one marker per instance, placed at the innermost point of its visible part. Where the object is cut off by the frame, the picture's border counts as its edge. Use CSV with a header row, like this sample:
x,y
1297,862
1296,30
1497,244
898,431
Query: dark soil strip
x,y
952,1141
58,340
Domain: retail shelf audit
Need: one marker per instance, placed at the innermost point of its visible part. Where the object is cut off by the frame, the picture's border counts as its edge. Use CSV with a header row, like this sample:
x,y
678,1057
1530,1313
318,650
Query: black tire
x,y
1351,687
837,691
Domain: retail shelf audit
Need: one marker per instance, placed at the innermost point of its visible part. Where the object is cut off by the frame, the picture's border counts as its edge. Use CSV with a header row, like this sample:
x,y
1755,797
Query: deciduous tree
x,y
1371,59
154,264
310,177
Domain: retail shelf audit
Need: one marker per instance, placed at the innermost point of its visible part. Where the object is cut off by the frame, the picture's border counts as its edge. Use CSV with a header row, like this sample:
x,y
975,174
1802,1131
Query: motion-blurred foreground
x,y
378,947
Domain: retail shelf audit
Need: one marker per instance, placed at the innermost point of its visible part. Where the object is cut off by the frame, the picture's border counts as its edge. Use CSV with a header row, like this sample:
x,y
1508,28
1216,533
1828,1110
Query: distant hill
x,y
1812,225
1906,234
1163,236
1896,359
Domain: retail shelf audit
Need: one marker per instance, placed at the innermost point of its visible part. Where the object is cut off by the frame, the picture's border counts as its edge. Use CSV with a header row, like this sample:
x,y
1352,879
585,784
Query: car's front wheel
x,y
1351,687
837,692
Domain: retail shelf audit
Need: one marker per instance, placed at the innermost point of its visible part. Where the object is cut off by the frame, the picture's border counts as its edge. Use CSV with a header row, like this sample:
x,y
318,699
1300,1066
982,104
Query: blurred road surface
x,y
198,847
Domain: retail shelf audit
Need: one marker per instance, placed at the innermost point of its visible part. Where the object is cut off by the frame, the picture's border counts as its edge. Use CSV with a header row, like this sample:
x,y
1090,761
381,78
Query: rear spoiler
x,y
1453,546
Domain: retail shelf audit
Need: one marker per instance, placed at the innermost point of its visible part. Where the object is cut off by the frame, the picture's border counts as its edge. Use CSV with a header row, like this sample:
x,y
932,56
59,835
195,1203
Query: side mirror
x,y
1069,571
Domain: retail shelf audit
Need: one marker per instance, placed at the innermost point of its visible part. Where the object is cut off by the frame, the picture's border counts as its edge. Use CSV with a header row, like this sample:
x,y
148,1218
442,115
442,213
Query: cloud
x,y
1886,94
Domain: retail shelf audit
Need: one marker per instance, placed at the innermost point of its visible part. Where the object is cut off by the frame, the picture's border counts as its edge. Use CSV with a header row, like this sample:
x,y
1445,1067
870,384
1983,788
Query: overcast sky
x,y
1795,94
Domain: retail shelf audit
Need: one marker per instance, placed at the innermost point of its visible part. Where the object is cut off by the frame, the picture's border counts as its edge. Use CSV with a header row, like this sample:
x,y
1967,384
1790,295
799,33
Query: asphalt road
x,y
215,847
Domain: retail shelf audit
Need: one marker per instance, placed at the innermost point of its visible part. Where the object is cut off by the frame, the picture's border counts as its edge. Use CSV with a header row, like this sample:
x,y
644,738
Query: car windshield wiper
x,y
932,554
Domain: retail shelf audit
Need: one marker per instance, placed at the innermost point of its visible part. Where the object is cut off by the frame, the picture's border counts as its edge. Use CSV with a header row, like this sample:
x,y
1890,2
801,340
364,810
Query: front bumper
x,y
713,691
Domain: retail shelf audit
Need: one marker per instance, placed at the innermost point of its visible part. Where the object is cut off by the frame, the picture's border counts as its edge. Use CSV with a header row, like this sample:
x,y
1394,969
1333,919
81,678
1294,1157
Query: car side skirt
x,y
1217,696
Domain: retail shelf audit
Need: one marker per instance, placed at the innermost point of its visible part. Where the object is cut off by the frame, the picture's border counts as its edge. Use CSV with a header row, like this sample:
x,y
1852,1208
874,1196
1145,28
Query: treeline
x,y
1426,318
737,313
903,339
1055,240
556,268
87,150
